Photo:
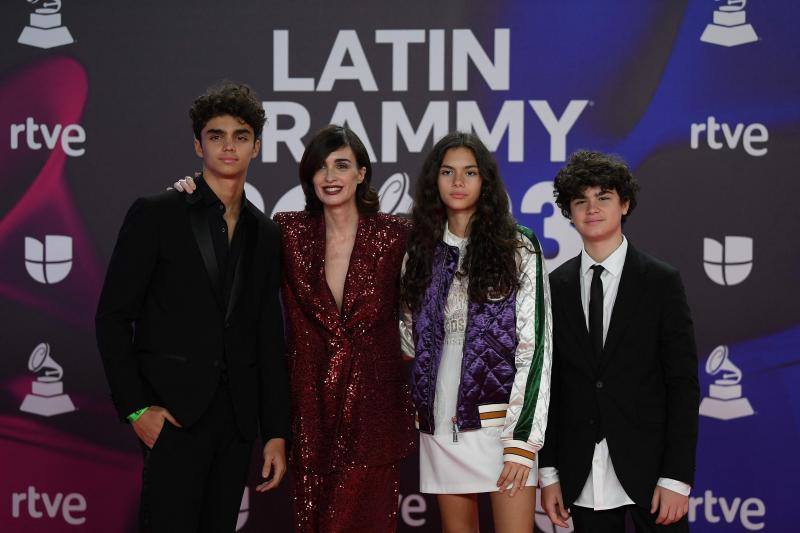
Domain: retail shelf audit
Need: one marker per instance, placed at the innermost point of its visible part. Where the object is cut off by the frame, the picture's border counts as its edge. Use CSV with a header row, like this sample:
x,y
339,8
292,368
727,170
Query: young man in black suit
x,y
622,427
196,397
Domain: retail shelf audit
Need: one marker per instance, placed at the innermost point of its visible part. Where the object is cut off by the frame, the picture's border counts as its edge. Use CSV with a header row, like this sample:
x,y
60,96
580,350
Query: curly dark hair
x,y
327,140
587,168
228,98
490,259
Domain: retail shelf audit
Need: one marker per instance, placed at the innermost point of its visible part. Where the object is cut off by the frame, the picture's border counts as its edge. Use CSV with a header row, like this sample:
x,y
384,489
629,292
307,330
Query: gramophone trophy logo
x,y
724,400
45,29
730,26
47,396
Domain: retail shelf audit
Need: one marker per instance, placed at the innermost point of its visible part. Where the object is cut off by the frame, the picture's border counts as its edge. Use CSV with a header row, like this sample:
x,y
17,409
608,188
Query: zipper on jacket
x,y
455,429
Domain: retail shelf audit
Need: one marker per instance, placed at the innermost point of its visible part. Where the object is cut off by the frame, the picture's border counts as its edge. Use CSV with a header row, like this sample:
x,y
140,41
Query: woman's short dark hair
x,y
327,140
228,98
587,168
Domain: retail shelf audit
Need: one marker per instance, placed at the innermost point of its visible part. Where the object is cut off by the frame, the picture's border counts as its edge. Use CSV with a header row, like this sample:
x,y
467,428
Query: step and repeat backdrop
x,y
701,97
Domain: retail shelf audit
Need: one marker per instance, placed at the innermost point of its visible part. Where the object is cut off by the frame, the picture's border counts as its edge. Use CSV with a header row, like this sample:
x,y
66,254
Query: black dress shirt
x,y
227,251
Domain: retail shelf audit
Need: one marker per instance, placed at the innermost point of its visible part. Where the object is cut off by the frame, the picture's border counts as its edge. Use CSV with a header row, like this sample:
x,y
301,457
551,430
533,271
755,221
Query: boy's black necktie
x,y
596,311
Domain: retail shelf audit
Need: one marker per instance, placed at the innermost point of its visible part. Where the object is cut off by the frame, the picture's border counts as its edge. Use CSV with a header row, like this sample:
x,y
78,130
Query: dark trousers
x,y
588,520
193,478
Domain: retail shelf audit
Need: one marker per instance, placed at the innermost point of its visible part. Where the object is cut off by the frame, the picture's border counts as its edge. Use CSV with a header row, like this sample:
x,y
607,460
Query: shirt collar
x,y
613,263
451,238
211,199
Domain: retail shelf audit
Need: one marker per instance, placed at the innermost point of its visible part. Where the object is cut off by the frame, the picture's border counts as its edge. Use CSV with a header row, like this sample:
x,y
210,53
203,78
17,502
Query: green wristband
x,y
134,416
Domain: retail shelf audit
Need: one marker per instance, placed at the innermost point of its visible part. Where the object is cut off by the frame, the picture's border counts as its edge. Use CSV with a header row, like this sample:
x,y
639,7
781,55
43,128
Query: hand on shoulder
x,y
186,185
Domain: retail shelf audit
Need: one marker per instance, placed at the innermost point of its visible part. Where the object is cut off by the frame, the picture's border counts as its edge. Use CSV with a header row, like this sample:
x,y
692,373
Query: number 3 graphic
x,y
555,227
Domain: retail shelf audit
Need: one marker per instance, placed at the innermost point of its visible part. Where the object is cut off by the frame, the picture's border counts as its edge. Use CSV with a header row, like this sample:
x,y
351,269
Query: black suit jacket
x,y
643,389
164,332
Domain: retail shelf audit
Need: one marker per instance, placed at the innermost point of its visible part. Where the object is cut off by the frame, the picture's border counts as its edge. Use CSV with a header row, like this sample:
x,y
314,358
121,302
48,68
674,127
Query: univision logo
x,y
729,263
50,262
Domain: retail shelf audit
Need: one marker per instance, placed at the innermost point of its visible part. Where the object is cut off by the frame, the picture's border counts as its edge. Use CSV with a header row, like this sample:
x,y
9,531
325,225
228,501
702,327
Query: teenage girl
x,y
477,321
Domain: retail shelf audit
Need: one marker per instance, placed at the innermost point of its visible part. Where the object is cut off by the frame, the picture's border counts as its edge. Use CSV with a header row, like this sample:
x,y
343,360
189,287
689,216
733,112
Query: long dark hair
x,y
327,140
490,260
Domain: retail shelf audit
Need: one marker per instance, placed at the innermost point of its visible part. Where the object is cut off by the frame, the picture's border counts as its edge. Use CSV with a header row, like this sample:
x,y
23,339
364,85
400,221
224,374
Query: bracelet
x,y
134,416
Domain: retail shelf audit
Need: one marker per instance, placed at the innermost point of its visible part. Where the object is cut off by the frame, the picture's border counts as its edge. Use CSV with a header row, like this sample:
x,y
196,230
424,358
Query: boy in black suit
x,y
197,396
622,427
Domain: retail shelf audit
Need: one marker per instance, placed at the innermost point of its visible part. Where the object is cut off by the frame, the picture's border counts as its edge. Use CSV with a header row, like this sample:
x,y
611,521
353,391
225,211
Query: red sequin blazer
x,y
349,386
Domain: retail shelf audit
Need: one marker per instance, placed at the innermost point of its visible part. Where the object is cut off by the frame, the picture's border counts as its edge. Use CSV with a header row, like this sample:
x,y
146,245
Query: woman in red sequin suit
x,y
352,416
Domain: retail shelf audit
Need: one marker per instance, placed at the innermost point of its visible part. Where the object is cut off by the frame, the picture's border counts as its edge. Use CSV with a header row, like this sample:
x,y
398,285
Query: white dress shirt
x,y
602,489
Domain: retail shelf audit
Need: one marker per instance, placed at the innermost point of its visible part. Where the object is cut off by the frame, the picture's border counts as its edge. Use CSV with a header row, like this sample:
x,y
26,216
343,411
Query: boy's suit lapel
x,y
574,310
202,235
631,289
245,260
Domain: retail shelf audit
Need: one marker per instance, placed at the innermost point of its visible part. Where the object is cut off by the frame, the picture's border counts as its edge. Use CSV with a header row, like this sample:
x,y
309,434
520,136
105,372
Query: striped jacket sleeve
x,y
526,417
406,337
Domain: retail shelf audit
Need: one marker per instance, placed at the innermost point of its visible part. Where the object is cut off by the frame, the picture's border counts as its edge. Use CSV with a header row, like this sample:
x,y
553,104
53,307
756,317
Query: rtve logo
x,y
71,506
748,136
49,262
71,137
749,513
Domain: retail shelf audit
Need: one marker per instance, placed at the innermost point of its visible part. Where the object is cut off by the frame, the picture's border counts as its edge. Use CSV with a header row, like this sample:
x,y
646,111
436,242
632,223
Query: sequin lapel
x,y
359,267
361,264
327,313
